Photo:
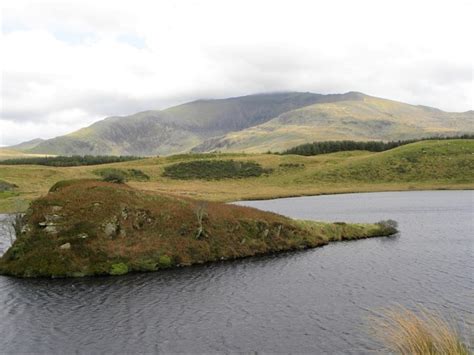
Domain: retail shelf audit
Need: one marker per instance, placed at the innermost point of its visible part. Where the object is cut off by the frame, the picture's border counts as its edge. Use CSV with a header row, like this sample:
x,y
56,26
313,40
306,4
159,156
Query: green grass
x,y
418,166
424,161
112,229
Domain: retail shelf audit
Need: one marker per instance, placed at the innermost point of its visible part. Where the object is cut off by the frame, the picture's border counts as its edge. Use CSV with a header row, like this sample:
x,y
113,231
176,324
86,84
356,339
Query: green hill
x,y
361,117
427,161
436,164
256,123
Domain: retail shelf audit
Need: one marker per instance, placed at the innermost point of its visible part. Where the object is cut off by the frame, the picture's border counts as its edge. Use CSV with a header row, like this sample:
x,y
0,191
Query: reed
x,y
406,332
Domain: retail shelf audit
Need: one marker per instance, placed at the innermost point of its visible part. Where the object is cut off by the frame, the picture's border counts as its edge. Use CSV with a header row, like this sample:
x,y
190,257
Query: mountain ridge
x,y
255,123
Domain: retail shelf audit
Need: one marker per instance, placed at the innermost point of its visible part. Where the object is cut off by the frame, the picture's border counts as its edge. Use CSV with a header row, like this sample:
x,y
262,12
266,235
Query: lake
x,y
312,301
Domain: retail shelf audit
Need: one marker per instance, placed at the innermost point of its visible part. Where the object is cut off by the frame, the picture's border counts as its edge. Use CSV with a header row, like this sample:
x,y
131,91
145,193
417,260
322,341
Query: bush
x,y
6,186
135,174
214,169
119,269
129,174
116,176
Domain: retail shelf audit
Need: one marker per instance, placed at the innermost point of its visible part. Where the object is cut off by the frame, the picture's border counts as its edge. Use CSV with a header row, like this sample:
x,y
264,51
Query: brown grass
x,y
406,332
109,224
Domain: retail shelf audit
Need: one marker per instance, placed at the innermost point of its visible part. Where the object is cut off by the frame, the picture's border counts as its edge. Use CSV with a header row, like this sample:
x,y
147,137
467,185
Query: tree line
x,y
74,160
325,147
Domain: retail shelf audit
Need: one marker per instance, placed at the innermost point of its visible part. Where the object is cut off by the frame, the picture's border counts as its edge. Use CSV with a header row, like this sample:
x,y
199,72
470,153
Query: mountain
x,y
362,117
258,123
178,128
26,145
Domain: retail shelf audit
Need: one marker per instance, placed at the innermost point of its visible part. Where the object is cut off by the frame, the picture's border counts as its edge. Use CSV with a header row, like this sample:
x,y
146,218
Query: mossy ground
x,y
88,227
418,166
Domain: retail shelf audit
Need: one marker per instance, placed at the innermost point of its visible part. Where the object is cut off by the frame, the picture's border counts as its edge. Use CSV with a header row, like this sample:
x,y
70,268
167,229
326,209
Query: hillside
x,y
26,145
360,118
256,123
444,164
86,227
176,129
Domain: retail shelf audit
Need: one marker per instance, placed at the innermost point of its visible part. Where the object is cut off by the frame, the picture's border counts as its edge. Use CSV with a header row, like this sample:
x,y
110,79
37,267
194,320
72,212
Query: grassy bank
x,y
444,164
88,227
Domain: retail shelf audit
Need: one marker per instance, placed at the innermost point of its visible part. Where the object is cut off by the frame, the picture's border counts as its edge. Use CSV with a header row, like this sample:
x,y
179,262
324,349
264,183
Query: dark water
x,y
316,301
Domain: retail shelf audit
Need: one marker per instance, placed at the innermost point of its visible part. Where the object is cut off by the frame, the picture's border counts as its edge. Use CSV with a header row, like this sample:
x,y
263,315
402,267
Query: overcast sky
x,y
66,64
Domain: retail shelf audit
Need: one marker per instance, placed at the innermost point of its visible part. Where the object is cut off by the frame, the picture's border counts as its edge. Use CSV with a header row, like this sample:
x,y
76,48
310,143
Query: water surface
x,y
312,301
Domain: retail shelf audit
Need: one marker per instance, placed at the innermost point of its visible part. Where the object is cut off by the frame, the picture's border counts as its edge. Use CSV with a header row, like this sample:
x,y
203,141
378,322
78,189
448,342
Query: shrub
x,y
115,176
214,169
135,174
129,174
118,269
6,186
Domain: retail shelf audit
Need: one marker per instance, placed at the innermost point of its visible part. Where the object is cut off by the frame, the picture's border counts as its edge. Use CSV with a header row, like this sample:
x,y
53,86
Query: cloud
x,y
68,64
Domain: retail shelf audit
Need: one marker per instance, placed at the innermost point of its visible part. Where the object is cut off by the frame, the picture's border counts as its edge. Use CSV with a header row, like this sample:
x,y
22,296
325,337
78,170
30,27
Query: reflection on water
x,y
311,301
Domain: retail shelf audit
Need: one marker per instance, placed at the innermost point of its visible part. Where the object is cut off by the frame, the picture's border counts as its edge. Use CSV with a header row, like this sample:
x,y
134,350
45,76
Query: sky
x,y
67,64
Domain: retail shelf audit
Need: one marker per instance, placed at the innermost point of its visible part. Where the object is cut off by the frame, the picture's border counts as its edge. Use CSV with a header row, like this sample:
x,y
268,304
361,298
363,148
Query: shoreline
x,y
454,188
461,187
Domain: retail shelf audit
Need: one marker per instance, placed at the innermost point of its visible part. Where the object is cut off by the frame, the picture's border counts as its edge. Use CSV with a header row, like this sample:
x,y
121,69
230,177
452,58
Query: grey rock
x,y
53,217
65,246
110,229
51,229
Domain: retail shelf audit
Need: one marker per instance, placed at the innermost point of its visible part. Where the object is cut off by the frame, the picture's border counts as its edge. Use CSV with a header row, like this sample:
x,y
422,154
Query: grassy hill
x,y
256,123
87,227
444,164
359,118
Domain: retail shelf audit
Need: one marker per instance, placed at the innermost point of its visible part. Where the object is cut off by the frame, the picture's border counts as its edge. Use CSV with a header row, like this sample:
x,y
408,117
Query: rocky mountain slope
x,y
256,123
